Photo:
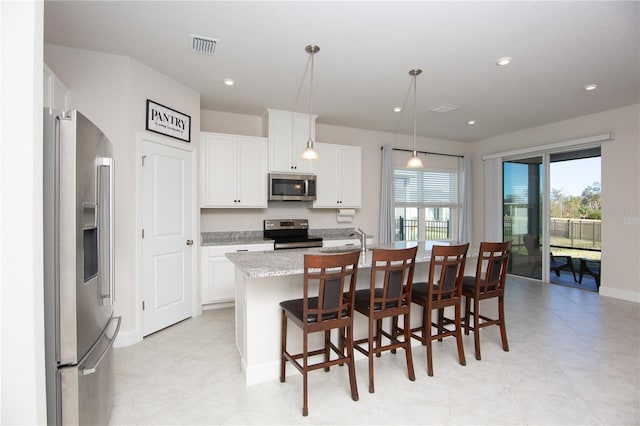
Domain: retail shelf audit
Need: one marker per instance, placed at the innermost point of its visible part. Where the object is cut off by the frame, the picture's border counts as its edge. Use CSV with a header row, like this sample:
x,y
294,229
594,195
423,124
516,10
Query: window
x,y
426,204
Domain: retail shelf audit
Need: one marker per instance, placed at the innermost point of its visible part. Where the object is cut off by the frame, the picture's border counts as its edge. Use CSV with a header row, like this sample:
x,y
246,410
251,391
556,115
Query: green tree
x,y
557,203
590,206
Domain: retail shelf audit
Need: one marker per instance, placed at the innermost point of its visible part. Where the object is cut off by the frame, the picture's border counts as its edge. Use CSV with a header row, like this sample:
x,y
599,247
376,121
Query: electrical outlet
x,y
247,220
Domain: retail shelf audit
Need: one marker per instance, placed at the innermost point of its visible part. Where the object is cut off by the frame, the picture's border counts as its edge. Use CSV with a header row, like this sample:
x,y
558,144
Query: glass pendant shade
x,y
309,153
415,162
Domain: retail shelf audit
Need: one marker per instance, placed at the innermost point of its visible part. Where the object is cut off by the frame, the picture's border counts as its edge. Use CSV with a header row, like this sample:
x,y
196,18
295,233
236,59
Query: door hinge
x,y
142,232
143,157
143,305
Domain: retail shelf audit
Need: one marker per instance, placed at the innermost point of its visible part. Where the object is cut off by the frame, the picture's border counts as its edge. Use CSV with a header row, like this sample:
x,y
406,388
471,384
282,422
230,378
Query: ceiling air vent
x,y
203,45
445,108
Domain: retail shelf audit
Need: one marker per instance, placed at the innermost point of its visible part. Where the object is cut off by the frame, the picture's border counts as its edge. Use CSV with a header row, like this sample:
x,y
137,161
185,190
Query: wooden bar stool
x,y
335,278
388,297
489,282
441,291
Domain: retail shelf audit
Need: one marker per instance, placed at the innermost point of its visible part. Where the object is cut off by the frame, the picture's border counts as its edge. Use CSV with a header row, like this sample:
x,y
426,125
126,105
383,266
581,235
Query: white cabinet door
x,y
288,135
56,96
280,140
339,176
218,273
219,170
234,171
221,286
299,143
350,171
327,179
252,173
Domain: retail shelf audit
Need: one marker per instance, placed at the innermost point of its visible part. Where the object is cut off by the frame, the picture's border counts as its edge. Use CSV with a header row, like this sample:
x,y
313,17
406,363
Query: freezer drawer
x,y
86,389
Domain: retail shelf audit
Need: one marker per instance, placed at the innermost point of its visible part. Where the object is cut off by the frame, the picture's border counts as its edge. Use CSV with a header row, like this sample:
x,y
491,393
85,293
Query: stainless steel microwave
x,y
290,187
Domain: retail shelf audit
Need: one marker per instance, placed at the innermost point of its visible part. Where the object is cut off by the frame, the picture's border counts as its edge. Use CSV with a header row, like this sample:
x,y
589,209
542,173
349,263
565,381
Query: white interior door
x,y
167,245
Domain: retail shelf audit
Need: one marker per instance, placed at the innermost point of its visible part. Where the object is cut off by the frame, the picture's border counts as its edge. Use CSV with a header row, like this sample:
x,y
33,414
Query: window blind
x,y
423,188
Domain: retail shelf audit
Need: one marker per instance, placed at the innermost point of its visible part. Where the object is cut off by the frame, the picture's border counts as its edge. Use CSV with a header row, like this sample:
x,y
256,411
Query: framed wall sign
x,y
168,122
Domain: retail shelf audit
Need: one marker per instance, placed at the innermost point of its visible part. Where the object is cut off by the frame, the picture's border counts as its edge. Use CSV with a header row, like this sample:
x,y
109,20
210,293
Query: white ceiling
x,y
366,51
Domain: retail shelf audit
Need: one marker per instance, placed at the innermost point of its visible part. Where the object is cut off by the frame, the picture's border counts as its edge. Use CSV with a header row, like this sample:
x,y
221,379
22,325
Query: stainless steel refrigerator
x,y
78,272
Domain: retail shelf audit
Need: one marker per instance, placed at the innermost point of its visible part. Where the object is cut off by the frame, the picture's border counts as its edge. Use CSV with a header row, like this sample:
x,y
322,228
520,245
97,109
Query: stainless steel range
x,y
290,233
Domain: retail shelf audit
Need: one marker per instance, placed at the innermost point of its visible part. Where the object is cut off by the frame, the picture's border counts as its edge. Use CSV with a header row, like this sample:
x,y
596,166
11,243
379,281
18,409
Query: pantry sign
x,y
167,121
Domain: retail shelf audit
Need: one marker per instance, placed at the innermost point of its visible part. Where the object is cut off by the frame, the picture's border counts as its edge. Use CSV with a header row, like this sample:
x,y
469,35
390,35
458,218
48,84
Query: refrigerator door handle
x,y
108,163
93,368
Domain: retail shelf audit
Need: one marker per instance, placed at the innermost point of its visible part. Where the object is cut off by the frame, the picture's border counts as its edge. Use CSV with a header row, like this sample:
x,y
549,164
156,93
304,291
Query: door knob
x,y
189,242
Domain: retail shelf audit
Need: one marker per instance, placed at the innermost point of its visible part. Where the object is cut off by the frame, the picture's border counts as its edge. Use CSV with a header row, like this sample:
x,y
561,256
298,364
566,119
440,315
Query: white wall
x,y
22,384
620,187
366,217
112,91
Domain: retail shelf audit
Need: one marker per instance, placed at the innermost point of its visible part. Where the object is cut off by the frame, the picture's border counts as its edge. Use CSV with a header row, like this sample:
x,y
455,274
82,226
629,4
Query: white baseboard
x,y
218,305
127,338
631,296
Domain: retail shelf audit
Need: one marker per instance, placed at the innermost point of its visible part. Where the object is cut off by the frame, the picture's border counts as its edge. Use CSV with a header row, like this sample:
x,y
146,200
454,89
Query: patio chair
x,y
556,262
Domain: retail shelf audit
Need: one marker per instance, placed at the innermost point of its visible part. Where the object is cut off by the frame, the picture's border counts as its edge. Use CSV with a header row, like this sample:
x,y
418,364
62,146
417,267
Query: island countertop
x,y
264,264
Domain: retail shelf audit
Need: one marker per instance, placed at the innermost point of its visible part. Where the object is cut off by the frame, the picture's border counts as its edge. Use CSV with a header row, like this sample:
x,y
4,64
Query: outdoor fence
x,y
407,230
566,233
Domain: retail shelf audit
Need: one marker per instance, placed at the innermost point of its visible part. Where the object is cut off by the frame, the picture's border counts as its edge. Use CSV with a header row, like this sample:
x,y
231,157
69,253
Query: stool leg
x,y
351,364
467,313
327,339
427,341
476,327
458,314
503,326
283,346
370,354
305,373
407,346
378,337
394,332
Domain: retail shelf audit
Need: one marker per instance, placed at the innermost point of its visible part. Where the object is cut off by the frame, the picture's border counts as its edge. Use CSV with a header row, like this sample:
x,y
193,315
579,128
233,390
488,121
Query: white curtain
x,y
493,199
465,214
387,216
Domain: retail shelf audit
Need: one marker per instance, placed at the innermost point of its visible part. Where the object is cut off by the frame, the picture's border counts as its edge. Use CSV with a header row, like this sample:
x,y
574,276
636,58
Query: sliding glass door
x,y
522,214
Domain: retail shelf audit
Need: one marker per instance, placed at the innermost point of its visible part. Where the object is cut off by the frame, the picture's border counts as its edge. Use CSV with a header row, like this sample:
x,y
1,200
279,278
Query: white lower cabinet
x,y
218,273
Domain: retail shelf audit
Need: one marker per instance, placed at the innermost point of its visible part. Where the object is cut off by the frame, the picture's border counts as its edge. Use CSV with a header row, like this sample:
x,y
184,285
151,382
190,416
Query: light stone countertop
x,y
265,264
256,237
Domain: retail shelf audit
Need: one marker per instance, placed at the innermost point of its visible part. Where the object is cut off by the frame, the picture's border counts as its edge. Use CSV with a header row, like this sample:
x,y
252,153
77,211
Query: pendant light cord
x,y
415,83
311,94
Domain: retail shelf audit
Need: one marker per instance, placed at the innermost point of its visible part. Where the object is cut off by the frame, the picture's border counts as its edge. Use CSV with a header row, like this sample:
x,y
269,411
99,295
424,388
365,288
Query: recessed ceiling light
x,y
506,60
590,87
471,122
229,81
397,109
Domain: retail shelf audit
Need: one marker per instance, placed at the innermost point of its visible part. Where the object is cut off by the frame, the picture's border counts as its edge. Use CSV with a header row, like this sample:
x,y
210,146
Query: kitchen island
x,y
264,279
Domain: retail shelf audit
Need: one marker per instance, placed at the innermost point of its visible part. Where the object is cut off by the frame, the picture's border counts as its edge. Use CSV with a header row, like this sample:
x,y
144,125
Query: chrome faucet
x,y
363,238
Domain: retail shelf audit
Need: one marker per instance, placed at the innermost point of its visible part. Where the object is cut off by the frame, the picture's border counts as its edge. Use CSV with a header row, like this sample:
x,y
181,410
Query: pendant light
x,y
310,153
414,162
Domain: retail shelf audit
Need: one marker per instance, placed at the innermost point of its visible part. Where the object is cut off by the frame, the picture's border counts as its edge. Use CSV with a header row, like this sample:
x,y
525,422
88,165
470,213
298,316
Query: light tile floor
x,y
574,359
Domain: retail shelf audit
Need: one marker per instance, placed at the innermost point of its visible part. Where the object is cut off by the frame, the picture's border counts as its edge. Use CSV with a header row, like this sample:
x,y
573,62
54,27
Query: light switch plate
x,y
632,220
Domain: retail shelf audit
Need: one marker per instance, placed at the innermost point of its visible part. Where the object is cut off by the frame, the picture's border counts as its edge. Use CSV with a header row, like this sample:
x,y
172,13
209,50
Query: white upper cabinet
x,y
339,176
288,134
55,94
233,171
